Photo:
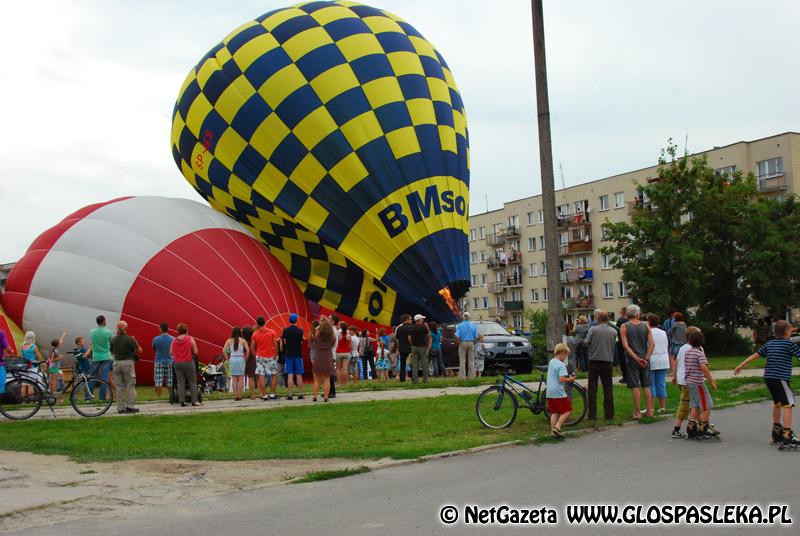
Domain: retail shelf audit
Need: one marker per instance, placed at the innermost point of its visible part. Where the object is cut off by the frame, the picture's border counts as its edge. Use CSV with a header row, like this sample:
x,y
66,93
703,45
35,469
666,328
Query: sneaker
x,y
290,397
557,433
777,435
300,397
712,430
265,397
791,443
273,397
131,410
677,434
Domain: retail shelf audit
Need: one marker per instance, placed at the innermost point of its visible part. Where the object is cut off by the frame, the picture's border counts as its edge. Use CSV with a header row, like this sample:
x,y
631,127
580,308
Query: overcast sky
x,y
88,88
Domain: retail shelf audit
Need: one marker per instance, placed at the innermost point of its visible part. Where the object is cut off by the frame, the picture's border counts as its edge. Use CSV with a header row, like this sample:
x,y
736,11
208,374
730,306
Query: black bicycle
x,y
28,390
496,406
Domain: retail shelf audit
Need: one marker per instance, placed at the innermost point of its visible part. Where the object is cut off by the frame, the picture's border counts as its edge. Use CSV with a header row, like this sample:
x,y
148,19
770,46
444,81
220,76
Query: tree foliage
x,y
707,241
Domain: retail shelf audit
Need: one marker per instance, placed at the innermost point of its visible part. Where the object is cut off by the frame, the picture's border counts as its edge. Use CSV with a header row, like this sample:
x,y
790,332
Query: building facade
x,y
507,261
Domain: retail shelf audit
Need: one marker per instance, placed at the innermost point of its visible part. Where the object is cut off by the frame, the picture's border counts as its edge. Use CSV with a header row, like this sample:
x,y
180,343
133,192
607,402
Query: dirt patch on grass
x,y
746,388
41,490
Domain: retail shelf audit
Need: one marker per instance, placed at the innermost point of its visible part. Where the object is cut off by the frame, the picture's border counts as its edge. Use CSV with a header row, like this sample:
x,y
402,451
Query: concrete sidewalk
x,y
165,408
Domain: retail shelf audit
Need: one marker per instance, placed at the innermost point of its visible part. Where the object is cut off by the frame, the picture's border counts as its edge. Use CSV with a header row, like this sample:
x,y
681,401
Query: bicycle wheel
x,y
21,400
496,407
85,397
577,395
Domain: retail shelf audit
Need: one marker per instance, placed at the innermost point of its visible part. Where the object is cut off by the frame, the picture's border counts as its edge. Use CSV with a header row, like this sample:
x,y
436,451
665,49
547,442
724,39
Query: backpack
x,y
369,351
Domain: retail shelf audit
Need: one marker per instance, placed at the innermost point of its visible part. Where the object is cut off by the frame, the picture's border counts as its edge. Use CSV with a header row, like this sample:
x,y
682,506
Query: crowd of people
x,y
646,351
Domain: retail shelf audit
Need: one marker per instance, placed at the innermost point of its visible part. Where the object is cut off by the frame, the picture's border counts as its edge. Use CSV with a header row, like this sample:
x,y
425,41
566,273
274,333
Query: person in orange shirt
x,y
265,348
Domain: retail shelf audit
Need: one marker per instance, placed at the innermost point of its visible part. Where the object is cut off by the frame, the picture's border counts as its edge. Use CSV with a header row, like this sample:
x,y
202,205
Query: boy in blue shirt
x,y
778,376
558,403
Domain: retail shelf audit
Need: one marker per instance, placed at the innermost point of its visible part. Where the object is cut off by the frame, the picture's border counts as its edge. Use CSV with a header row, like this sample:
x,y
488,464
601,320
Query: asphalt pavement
x,y
634,464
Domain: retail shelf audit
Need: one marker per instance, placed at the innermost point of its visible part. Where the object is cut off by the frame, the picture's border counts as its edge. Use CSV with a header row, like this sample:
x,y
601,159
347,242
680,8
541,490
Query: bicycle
x,y
497,405
28,390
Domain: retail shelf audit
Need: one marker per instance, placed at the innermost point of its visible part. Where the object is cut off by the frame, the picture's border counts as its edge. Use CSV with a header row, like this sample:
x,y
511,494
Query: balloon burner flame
x,y
447,296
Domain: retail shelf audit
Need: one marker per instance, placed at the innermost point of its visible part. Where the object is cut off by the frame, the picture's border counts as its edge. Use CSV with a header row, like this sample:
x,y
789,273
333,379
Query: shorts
x,y
352,365
674,349
294,365
559,405
341,356
699,397
636,375
2,379
781,391
162,374
480,363
54,370
682,412
266,366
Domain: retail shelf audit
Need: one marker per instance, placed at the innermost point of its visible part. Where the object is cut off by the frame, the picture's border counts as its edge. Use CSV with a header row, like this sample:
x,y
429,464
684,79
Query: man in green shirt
x,y
100,352
124,347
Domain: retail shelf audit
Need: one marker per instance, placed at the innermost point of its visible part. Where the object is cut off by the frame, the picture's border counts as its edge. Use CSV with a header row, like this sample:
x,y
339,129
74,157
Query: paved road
x,y
631,464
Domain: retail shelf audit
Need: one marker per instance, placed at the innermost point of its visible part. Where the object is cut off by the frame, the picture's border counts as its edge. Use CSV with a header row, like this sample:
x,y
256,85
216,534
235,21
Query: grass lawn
x,y
400,429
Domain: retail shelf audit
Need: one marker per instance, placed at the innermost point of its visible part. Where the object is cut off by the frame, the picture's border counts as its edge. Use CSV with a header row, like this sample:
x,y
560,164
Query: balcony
x,y
573,220
514,306
772,182
496,311
579,303
575,247
574,275
497,287
495,239
501,263
512,232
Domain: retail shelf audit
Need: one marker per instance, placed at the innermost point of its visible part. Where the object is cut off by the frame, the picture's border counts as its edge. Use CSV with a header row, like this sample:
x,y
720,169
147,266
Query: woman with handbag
x,y
183,350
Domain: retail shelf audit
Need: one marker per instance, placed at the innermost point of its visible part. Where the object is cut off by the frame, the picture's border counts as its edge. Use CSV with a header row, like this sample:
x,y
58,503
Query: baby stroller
x,y
213,376
173,391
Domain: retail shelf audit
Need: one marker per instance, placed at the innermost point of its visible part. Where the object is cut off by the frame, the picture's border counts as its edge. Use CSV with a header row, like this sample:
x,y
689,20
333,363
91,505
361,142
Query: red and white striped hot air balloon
x,y
148,260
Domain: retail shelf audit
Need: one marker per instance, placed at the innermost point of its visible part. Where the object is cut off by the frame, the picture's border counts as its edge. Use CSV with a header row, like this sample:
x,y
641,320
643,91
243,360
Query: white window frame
x,y
482,232
534,295
473,257
544,294
606,262
533,269
474,280
532,243
484,280
544,268
608,290
622,286
619,199
541,216
473,235
602,203
530,218
483,255
541,242
485,302
475,303
777,168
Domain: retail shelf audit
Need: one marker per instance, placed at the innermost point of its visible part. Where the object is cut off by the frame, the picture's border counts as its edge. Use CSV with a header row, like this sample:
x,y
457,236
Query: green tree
x,y
538,321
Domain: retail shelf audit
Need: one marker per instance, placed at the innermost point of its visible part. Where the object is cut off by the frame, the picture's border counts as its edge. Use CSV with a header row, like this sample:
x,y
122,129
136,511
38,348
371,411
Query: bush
x,y
719,343
538,337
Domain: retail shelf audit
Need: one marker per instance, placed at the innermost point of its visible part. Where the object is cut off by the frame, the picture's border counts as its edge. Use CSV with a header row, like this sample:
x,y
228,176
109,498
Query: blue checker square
x,y
291,199
414,86
393,116
301,267
444,113
288,29
216,125
432,67
332,149
259,201
284,230
188,97
395,42
250,115
413,168
271,240
186,144
337,276
219,175
455,100
210,54
289,153
441,59
347,105
244,207
377,155
410,30
367,11
267,65
371,67
339,29
231,70
316,251
314,292
311,7
320,60
176,156
249,165
298,105
237,41
215,85
203,186
268,14
428,137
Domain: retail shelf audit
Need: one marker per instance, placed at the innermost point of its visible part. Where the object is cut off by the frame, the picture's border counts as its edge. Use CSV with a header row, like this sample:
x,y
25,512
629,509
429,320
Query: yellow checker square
x,y
270,182
404,62
282,84
307,236
422,47
362,129
178,125
222,197
330,14
269,134
382,24
448,77
308,173
334,82
239,189
206,70
383,91
314,215
187,172
460,123
447,136
403,142
314,127
237,31
421,111
254,49
306,41
294,246
231,100
223,55
439,90
359,45
278,18
349,171
319,273
191,77
331,296
198,111
229,148
283,256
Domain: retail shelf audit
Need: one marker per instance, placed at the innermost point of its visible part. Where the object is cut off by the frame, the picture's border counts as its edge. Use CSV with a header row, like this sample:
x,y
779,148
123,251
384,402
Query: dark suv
x,y
496,346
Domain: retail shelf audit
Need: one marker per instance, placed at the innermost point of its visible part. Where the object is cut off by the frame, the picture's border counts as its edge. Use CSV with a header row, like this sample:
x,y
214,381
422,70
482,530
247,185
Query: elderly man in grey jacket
x,y
601,341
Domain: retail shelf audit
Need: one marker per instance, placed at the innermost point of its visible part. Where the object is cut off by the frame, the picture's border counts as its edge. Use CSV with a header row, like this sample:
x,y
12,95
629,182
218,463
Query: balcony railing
x,y
573,220
577,246
577,274
500,263
495,239
496,311
497,287
772,182
514,306
581,302
512,232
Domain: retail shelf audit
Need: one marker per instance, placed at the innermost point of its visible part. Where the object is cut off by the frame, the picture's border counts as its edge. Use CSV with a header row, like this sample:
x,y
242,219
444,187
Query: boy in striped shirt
x,y
778,376
700,402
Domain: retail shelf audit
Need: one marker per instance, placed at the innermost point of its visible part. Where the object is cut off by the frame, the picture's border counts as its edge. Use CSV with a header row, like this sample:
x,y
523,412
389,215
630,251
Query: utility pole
x,y
555,323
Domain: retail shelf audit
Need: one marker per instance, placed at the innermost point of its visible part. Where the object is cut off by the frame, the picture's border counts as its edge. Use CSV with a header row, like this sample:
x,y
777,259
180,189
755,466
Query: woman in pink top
x,y
183,350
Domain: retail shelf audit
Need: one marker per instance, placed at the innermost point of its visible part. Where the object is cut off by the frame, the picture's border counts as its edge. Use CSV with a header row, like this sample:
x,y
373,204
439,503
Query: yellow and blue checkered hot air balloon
x,y
336,133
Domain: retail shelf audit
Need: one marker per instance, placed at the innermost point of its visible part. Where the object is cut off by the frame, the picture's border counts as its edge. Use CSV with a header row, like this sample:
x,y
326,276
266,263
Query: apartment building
x,y
507,261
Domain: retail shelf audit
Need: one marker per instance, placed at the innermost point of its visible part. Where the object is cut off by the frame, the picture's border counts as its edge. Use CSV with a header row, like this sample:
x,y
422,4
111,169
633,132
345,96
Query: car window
x,y
491,328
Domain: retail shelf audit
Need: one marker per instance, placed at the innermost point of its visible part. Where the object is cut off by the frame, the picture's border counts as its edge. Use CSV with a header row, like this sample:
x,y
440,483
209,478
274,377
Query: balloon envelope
x,y
336,132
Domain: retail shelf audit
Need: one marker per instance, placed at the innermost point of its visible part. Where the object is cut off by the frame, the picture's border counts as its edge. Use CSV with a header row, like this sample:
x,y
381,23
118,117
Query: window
x,y
473,257
544,268
584,290
516,295
608,290
517,321
532,270
499,277
619,199
726,171
482,232
566,292
767,168
603,202
562,210
474,303
513,221
473,233
474,280
484,279
485,302
606,262
483,256
497,228
582,207
563,238
531,221
541,216
532,244
544,294
541,242
603,232
499,301
534,294
584,262
623,289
